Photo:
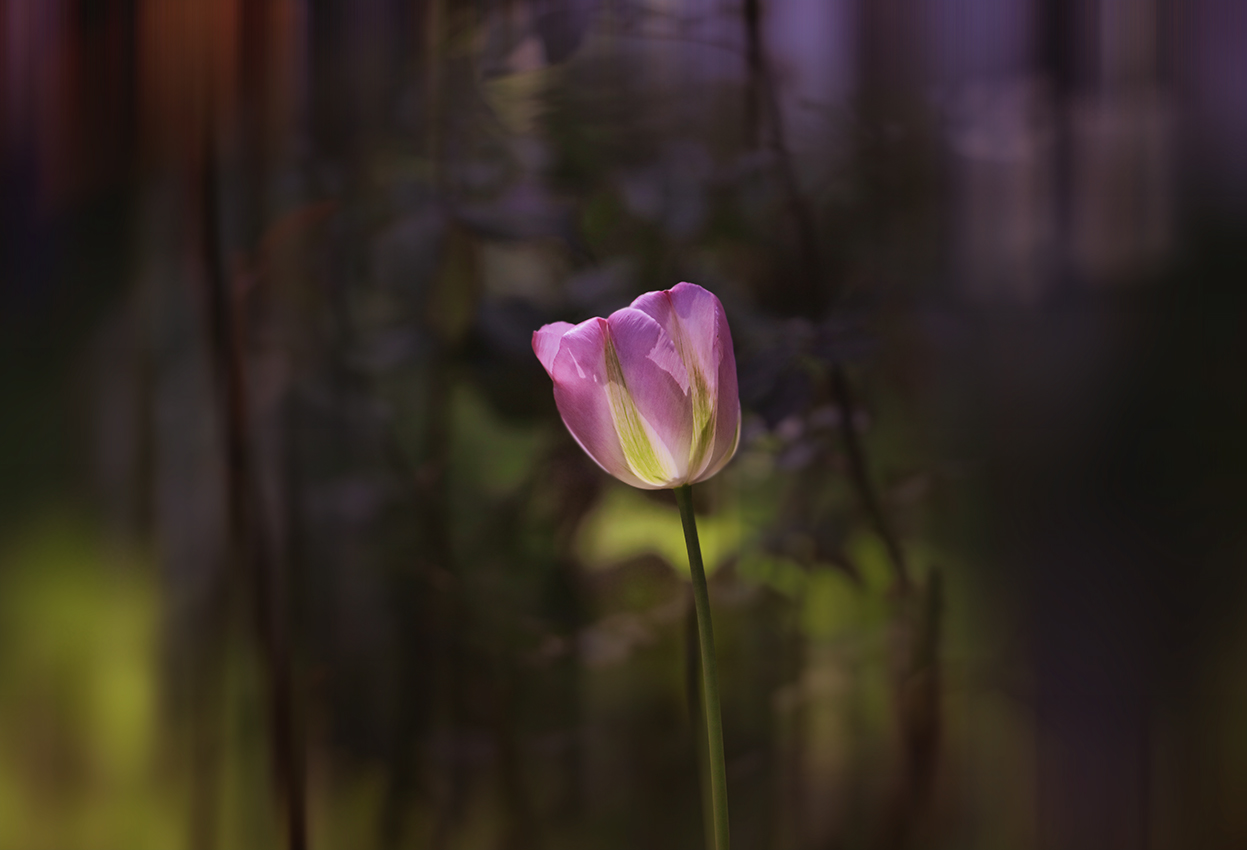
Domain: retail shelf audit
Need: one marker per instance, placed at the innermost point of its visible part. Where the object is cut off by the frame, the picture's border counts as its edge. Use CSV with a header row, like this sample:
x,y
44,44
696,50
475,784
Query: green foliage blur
x,y
292,538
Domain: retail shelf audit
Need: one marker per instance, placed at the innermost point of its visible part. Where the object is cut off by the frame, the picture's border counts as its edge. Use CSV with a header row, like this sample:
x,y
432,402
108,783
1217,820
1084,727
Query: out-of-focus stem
x,y
860,475
762,86
249,544
709,671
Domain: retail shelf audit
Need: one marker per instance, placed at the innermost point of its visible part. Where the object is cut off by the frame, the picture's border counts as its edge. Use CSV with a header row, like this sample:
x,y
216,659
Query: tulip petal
x,y
694,319
650,393
690,316
546,343
657,384
580,381
727,411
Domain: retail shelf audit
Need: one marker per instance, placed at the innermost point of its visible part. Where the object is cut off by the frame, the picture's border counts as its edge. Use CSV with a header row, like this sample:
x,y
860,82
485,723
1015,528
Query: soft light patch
x,y
626,524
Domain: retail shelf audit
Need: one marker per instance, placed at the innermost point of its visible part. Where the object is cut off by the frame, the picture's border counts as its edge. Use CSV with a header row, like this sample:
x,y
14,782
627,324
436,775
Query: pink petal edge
x,y
546,343
579,375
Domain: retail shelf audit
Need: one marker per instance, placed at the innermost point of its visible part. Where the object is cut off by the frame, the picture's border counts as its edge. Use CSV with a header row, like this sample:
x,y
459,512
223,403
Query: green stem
x,y
709,671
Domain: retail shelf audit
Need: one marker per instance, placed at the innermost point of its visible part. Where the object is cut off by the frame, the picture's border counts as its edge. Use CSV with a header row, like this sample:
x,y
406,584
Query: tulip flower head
x,y
650,391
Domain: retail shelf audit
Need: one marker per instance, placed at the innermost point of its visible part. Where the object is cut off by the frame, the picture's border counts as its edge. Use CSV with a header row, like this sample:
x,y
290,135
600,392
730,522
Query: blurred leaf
x,y
78,698
838,603
781,574
452,301
832,605
517,99
627,524
495,456
870,558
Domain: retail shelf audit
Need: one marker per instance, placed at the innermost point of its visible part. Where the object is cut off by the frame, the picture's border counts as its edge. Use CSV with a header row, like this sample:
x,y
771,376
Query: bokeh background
x,y
296,552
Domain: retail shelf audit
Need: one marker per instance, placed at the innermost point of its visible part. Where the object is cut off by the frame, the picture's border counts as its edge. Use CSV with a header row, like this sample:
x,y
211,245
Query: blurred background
x,y
296,552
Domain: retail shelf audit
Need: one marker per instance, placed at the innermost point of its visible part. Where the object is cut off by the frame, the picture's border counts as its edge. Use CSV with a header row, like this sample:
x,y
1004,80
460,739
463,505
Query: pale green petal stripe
x,y
702,401
646,455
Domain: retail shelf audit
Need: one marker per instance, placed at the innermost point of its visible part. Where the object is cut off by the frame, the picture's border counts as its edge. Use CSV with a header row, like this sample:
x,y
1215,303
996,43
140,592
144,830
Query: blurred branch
x,y
919,704
757,77
859,474
811,278
248,543
763,104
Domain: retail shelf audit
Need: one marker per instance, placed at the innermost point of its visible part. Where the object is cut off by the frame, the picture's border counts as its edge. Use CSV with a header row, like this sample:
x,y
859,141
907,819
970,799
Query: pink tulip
x,y
649,392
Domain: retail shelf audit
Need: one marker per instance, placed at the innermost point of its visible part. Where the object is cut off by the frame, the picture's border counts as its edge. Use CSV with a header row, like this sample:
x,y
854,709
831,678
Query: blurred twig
x,y
248,544
918,683
859,474
762,86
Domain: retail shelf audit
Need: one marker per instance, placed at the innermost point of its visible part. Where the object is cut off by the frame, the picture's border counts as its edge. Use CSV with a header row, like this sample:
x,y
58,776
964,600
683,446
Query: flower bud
x,y
649,392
